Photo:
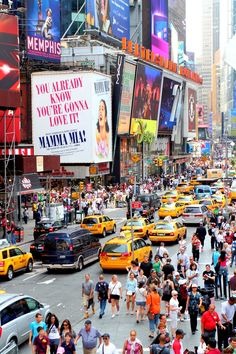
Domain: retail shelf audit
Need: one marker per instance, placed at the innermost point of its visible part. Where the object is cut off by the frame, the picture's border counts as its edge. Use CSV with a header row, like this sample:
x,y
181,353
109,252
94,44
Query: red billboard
x,y
9,62
13,127
192,97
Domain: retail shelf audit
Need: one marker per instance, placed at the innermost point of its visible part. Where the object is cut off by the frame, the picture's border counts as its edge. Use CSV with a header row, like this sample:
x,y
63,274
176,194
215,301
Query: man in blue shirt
x,y
89,335
34,327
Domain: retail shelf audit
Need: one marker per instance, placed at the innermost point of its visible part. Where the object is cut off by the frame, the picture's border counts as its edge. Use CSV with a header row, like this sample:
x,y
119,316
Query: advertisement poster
x,y
43,30
9,62
146,99
169,104
233,122
159,27
126,98
200,114
109,16
192,97
73,111
13,125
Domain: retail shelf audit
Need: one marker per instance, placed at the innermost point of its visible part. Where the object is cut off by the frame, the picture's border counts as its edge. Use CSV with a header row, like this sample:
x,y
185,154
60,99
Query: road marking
x,y
47,281
32,276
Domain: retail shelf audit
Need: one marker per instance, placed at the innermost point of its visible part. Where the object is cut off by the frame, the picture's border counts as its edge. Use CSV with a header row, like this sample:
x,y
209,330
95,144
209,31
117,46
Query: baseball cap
x,y
180,331
194,286
177,273
87,322
106,335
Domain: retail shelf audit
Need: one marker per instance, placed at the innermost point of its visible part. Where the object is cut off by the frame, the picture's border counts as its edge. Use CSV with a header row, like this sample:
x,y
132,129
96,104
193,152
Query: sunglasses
x,y
105,338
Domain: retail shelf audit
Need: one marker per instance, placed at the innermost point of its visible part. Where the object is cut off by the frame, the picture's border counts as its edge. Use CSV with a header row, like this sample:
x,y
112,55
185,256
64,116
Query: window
x,y
13,311
18,252
12,252
32,304
141,243
90,221
115,248
164,226
192,210
4,254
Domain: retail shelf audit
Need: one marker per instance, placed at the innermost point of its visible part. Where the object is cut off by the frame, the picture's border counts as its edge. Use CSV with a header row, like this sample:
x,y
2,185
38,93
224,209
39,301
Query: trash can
x,y
19,233
79,216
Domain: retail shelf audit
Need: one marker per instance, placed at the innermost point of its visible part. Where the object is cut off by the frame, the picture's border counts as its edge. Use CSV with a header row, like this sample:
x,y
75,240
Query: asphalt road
x,y
62,291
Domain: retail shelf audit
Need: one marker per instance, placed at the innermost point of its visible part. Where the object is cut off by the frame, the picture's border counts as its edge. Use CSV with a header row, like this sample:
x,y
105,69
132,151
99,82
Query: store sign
x,y
73,111
43,30
26,183
39,164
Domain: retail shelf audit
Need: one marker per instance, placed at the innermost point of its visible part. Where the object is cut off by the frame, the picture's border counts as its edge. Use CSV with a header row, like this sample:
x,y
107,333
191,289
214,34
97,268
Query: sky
x,y
193,20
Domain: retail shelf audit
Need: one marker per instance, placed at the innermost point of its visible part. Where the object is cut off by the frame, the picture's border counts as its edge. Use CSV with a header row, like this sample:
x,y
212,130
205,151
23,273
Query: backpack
x,y
103,291
167,289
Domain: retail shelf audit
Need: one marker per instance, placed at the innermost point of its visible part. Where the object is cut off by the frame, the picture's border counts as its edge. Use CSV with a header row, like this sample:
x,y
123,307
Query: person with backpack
x,y
102,289
168,286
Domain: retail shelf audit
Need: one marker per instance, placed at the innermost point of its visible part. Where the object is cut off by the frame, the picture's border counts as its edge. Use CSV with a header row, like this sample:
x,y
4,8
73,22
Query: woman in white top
x,y
140,296
53,333
114,295
174,309
192,274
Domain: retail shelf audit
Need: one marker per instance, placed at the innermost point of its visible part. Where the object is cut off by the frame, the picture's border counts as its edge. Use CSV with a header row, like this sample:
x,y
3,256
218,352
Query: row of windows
x,y
18,309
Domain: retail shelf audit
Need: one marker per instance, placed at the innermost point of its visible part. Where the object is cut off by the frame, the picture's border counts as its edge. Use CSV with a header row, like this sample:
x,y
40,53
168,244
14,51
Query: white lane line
x,y
49,281
32,276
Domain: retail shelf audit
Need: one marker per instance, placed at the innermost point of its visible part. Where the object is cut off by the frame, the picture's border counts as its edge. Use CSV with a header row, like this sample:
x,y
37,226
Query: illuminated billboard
x,y
159,27
9,62
109,16
192,98
233,122
171,94
43,30
146,99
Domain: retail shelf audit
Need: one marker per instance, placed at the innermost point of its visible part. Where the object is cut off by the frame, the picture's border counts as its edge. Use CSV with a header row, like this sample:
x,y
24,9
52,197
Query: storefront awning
x,y
28,183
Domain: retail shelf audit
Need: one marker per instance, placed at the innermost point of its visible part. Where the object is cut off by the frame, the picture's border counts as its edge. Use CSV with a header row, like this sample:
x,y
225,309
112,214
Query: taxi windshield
x,y
134,223
164,226
115,248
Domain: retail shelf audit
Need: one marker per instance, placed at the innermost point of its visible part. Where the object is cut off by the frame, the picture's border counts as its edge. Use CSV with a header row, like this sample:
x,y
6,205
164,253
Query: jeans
x,y
223,273
193,320
153,323
13,238
103,304
224,334
210,334
53,345
195,254
232,259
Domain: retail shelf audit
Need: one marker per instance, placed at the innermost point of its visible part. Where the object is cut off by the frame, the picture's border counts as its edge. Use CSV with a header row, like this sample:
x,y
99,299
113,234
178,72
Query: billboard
x,y
171,94
13,126
159,27
200,114
43,30
73,111
128,78
192,97
146,100
9,62
109,16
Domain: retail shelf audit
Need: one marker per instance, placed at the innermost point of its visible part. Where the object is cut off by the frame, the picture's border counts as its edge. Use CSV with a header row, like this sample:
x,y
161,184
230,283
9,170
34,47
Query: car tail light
x,y
172,234
99,225
126,254
198,215
0,332
1,264
50,229
71,248
32,246
103,254
139,230
185,215
150,233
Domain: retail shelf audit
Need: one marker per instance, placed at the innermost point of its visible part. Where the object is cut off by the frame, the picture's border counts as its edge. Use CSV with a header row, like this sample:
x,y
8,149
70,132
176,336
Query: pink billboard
x,y
159,27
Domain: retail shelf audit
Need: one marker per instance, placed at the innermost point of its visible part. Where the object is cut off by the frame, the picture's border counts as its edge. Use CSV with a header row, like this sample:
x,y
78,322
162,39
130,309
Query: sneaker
x,y
100,316
118,312
113,315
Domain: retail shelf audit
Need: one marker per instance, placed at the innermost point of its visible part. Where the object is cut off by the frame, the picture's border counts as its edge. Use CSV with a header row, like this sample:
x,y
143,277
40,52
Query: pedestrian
x,y
107,347
211,347
134,268
41,342
153,279
67,345
168,269
34,326
157,266
201,349
232,282
140,297
194,302
53,332
141,278
226,318
192,274
162,330
201,234
114,295
177,344
231,348
146,266
161,250
196,244
26,215
168,286
90,336
88,295
13,229
182,297
132,345
153,304
102,290
223,273
209,320
209,281
66,328
131,286
174,310
160,347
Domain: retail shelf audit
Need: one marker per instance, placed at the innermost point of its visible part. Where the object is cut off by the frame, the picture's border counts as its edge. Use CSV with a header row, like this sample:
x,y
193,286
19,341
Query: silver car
x,y
195,214
16,314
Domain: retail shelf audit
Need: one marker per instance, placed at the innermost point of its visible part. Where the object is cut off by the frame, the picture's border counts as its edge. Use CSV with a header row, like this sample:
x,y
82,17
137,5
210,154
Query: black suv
x,y
46,226
149,201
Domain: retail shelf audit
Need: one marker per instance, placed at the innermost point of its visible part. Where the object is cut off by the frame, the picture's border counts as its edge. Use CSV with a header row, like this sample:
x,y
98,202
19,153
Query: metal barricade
x,y
10,348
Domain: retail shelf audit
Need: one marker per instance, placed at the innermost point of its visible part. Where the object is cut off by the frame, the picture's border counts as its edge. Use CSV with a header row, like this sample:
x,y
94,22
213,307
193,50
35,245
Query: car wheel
x,y
29,266
10,273
104,233
49,270
150,256
13,341
114,229
146,235
80,264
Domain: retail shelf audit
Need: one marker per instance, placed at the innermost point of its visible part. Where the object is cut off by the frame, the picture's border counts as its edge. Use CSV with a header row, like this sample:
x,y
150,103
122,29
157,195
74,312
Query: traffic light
x,y
160,162
81,186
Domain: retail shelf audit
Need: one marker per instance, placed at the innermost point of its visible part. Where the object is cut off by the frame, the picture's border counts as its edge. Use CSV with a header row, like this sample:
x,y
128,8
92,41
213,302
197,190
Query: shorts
x,y
115,297
85,300
141,303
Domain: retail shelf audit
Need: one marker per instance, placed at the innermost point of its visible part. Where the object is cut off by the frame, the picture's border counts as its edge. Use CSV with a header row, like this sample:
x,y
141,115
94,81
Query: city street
x,y
62,291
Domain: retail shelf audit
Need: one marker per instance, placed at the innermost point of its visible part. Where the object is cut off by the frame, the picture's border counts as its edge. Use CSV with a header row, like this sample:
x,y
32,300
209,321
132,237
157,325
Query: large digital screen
x,y
109,16
43,30
169,105
9,62
146,100
73,111
159,27
192,98
128,78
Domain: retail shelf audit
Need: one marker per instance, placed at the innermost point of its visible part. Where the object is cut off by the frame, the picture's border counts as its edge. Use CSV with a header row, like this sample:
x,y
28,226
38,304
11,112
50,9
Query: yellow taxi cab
x,y
194,181
170,196
117,252
184,187
232,191
209,203
141,226
99,224
171,209
220,199
185,199
13,259
167,231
